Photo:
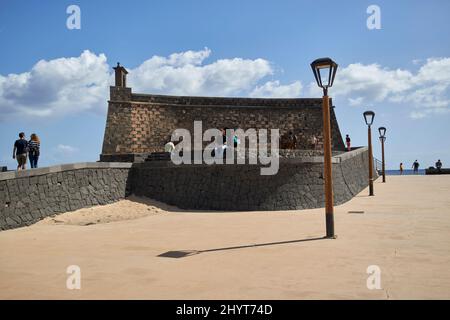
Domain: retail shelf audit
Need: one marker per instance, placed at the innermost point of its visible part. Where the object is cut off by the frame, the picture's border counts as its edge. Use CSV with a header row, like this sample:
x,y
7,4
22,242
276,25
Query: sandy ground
x,y
404,230
129,209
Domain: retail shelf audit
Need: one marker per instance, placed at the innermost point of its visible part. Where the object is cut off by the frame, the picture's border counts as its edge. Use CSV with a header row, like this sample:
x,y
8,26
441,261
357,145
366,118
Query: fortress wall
x,y
298,184
138,123
29,196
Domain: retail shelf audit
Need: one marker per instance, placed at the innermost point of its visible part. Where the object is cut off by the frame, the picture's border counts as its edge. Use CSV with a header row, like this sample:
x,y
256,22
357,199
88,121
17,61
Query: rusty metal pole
x,y
329,210
369,132
382,159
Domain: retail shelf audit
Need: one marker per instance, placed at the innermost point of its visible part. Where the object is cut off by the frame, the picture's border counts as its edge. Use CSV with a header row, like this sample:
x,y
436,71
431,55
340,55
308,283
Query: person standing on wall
x,y
439,165
34,146
20,152
416,167
348,142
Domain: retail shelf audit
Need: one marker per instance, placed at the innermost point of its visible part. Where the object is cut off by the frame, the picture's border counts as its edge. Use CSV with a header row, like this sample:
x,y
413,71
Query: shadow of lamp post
x,y
368,117
382,131
324,70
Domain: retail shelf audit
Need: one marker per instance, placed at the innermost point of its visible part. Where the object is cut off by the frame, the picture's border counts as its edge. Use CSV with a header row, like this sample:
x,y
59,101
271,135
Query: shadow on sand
x,y
186,253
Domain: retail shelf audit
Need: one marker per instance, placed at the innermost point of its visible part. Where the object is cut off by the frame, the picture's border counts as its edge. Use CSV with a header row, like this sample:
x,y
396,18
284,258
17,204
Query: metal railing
x,y
378,165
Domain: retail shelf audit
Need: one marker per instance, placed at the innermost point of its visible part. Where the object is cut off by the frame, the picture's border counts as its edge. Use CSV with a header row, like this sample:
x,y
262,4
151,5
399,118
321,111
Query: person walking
x,y
348,142
415,167
34,146
401,168
20,152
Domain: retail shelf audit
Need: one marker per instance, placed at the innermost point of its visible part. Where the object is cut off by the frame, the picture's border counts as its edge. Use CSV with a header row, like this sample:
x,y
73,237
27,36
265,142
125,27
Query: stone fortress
x,y
138,126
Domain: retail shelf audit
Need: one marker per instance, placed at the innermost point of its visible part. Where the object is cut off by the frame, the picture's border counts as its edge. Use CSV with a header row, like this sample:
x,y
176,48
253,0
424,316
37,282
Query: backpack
x,y
33,149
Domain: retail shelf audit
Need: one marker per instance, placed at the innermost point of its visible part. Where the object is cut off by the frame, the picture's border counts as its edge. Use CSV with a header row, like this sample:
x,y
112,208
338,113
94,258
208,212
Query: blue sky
x,y
401,71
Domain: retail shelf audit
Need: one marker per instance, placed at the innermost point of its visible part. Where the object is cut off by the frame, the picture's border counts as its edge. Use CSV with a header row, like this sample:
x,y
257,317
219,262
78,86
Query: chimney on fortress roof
x,y
121,76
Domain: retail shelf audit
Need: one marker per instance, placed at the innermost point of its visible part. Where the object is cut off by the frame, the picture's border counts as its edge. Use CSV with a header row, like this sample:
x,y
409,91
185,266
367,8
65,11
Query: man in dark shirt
x,y
20,151
439,165
415,167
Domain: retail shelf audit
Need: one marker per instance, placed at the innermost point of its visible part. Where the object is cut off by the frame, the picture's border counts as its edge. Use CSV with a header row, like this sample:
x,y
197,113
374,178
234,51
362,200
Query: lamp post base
x,y
329,221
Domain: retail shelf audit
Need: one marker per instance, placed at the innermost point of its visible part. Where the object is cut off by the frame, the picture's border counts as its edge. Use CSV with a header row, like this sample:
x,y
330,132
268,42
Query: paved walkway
x,y
404,230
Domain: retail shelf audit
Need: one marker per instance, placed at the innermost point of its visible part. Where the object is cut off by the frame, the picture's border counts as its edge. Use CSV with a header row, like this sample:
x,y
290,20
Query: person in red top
x,y
348,142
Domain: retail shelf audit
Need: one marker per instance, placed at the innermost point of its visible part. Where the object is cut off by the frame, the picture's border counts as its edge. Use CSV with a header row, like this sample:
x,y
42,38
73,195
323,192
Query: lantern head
x,y
368,117
324,70
382,131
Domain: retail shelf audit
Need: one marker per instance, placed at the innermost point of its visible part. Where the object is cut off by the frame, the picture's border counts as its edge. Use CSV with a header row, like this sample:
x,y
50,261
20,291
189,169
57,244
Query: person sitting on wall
x,y
314,142
283,142
236,141
292,140
288,141
169,146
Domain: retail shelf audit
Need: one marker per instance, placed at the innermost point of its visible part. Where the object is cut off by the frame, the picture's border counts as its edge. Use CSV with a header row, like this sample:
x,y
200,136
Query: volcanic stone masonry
x,y
139,124
299,183
29,196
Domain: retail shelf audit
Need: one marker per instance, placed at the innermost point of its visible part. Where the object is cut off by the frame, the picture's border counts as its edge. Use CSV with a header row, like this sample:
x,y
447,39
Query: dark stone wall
x,y
30,198
139,123
297,185
31,195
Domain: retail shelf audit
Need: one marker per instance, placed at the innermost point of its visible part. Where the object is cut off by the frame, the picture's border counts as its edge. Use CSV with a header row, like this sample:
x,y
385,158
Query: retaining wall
x,y
299,183
31,195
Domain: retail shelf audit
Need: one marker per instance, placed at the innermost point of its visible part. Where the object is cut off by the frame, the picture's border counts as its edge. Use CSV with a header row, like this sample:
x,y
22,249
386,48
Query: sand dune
x,y
128,209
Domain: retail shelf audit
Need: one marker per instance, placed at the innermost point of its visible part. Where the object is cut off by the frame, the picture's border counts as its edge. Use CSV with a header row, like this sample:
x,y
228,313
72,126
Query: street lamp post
x,y
324,70
382,131
368,117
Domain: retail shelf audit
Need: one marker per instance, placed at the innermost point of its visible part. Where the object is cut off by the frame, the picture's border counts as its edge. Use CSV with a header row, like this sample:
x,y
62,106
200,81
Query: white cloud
x,y
65,86
273,89
355,101
56,87
372,82
186,74
65,150
427,91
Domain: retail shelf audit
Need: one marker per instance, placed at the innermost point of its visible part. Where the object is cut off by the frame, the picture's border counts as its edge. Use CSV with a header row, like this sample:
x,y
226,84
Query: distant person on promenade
x,y
401,167
415,167
439,165
348,142
20,152
34,146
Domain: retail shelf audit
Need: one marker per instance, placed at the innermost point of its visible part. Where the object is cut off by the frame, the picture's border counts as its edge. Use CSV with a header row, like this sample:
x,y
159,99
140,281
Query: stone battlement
x,y
142,123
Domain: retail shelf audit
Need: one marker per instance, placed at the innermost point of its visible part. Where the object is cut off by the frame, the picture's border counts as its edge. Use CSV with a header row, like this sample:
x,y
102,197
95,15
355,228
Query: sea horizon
x,y
405,172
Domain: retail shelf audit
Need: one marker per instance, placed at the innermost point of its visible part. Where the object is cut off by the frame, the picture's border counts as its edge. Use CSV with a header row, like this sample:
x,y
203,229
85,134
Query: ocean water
x,y
405,172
